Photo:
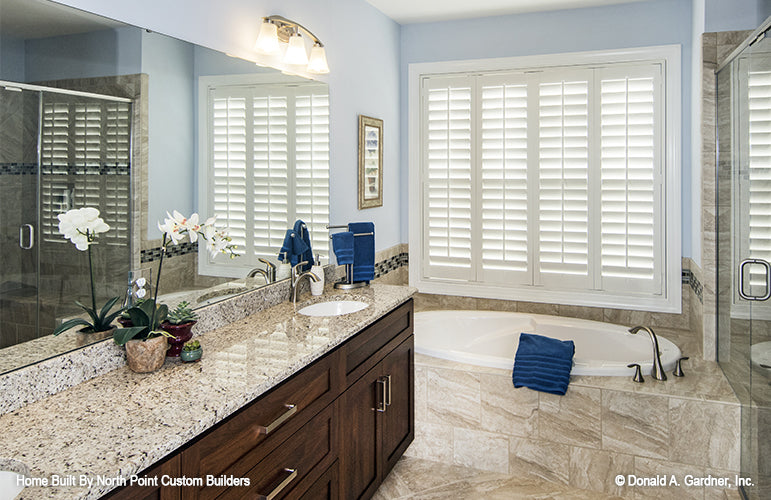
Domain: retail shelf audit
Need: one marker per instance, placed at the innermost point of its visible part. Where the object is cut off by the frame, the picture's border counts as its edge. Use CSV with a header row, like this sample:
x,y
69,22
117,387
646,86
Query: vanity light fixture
x,y
277,31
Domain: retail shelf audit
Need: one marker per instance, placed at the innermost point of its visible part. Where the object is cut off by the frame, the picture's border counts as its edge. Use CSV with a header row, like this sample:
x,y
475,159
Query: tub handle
x,y
767,270
638,377
679,369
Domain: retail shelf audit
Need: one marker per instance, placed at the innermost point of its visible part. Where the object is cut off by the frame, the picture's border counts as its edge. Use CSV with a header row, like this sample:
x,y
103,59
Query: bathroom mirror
x,y
134,159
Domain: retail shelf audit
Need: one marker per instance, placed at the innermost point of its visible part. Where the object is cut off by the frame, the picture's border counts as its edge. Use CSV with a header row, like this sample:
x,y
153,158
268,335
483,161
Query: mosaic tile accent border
x,y
386,266
153,254
31,169
691,280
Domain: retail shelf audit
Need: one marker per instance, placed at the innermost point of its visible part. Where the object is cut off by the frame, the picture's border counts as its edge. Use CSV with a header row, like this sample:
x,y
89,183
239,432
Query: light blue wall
x,y
363,51
734,15
99,53
12,59
639,24
169,65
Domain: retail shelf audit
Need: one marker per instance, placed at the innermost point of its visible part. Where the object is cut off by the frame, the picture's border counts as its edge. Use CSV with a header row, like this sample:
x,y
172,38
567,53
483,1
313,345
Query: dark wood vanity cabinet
x,y
331,431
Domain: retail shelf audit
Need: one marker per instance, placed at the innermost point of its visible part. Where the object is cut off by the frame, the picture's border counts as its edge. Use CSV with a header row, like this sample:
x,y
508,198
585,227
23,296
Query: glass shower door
x,y
19,179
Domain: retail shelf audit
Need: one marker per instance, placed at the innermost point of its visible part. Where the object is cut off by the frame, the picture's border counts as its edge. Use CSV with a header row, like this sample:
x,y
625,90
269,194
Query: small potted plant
x,y
179,323
145,342
191,351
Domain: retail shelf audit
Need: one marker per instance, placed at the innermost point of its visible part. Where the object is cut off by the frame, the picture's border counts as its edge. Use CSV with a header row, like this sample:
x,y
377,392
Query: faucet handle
x,y
267,263
638,377
679,369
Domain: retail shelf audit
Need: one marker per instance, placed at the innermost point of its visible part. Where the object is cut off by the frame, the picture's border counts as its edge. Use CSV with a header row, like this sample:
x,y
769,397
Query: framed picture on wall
x,y
370,162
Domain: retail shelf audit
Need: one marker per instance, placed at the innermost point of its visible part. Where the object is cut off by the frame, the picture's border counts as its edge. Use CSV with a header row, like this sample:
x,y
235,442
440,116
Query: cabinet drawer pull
x,y
280,487
290,410
381,400
388,390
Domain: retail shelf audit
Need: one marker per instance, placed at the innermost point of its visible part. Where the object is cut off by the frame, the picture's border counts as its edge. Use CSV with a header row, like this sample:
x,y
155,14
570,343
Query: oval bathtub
x,y
490,338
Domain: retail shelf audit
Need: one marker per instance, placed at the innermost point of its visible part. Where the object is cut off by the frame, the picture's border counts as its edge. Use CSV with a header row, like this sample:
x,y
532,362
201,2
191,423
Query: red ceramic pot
x,y
182,333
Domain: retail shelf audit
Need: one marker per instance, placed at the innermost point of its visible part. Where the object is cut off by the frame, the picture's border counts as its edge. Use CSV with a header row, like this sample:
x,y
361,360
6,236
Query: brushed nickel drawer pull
x,y
388,391
290,410
381,404
283,484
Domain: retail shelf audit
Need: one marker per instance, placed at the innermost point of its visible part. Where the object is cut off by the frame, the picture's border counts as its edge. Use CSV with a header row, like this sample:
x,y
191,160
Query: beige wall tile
x,y
704,433
635,424
482,450
596,470
453,398
571,419
508,410
539,459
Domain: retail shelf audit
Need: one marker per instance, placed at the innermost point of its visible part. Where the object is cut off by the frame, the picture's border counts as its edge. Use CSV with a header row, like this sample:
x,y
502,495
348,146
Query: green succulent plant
x,y
193,345
146,319
181,314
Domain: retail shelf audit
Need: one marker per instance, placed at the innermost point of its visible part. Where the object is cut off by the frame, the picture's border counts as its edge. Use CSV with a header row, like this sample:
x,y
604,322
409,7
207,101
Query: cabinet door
x,y
169,468
326,487
399,417
360,450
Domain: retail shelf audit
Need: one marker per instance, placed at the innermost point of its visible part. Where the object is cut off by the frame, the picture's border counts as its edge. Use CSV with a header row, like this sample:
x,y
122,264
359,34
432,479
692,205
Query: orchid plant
x,y
81,226
176,227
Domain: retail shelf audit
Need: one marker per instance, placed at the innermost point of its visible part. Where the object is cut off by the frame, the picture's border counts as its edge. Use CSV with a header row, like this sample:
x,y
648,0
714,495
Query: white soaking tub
x,y
490,338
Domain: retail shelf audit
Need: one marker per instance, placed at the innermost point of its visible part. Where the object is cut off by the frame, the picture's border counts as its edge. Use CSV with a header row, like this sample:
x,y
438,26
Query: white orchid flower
x,y
81,226
141,282
141,293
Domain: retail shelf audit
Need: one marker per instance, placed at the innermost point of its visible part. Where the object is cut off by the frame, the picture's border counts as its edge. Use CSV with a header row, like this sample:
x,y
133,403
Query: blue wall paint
x,y
734,15
363,51
12,59
655,22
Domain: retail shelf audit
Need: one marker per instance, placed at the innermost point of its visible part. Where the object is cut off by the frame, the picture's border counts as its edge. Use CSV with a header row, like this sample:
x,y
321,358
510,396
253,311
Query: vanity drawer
x,y
247,437
361,352
296,465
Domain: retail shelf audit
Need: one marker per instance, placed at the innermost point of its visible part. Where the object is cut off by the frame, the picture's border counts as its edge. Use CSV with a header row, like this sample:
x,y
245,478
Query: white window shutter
x,y
447,186
504,180
630,162
758,192
563,180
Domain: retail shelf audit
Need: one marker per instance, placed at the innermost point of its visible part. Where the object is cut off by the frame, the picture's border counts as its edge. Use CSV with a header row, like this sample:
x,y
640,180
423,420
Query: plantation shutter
x,y
447,178
229,168
312,165
54,153
630,163
504,180
270,170
563,179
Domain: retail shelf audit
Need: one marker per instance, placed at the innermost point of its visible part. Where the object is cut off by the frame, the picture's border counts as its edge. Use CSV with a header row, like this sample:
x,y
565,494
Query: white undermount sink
x,y
333,308
10,470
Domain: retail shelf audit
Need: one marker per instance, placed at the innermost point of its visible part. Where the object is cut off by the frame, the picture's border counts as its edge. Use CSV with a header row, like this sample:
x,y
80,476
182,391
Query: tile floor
x,y
415,478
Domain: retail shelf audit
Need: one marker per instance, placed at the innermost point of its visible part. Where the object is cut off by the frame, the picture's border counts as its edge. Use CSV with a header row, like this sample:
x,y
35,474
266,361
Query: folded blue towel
x,y
342,245
543,363
293,247
307,254
363,251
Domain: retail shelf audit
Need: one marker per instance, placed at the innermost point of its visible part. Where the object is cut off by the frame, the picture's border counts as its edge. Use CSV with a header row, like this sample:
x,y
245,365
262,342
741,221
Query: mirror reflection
x,y
137,124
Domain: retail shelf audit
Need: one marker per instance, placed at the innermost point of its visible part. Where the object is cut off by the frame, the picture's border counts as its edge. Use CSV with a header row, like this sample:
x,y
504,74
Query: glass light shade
x,y
267,39
295,53
318,61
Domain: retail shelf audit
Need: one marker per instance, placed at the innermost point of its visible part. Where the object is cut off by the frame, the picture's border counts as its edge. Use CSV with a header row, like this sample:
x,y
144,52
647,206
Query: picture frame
x,y
370,162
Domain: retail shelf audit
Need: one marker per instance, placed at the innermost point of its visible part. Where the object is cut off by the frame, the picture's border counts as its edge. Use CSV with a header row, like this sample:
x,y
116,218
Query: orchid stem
x,y
157,284
91,274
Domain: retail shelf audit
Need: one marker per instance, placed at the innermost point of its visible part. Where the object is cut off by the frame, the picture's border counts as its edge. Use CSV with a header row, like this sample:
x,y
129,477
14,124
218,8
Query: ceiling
x,y
420,11
35,18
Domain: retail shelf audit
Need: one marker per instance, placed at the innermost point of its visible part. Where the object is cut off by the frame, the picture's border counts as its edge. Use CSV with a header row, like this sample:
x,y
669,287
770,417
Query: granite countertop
x,y
120,423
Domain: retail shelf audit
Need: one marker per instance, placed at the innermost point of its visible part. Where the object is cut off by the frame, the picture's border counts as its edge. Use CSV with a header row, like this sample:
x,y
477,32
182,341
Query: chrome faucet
x,y
658,371
269,273
297,276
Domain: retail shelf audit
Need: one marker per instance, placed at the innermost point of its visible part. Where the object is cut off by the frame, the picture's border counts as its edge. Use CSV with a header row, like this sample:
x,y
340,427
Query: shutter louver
x,y
563,167
312,166
55,192
628,172
448,171
271,172
504,181
759,182
228,150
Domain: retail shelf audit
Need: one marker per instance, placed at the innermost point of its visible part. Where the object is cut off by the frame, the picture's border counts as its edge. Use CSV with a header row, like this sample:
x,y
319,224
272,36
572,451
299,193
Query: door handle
x,y
388,390
30,236
382,383
766,268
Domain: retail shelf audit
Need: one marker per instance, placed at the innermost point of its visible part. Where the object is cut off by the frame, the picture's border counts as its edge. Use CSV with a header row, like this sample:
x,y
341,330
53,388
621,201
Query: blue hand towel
x,y
363,251
342,245
307,254
293,247
543,363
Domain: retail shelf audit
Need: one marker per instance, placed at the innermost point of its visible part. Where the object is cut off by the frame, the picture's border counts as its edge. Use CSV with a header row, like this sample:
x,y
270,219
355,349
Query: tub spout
x,y
658,371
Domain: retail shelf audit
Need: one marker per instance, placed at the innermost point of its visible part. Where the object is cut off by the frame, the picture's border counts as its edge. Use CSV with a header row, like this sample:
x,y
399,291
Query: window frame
x,y
670,58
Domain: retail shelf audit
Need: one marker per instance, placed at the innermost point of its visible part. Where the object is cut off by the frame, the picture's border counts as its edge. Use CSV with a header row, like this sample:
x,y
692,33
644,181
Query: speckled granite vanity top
x,y
120,423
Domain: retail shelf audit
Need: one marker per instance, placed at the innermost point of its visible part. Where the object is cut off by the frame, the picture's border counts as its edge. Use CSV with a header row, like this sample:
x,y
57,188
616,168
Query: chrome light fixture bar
x,y
278,30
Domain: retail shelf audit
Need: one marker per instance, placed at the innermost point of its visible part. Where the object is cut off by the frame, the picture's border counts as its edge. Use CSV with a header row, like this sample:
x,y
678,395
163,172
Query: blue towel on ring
x,y
363,251
342,245
293,247
543,363
307,255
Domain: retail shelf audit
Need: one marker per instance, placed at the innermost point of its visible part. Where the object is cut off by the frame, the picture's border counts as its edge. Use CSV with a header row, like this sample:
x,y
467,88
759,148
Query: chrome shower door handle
x,y
30,236
767,269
